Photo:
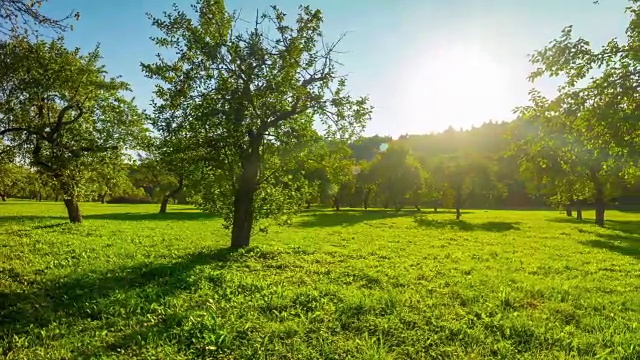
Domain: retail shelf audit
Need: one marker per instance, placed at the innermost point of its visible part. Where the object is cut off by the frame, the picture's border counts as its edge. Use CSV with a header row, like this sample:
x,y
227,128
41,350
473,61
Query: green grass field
x,y
129,283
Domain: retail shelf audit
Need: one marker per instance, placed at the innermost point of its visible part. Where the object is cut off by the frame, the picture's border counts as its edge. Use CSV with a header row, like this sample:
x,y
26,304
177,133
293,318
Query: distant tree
x,y
254,95
12,179
366,148
398,177
463,176
110,176
24,17
60,112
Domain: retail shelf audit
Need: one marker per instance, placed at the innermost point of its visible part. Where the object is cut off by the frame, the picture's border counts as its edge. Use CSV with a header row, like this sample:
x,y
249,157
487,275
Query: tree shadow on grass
x,y
100,295
623,244
625,226
462,225
25,219
171,215
347,217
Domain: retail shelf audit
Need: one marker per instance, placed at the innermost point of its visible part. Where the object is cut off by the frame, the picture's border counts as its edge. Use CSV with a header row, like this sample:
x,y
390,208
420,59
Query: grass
x,y
129,283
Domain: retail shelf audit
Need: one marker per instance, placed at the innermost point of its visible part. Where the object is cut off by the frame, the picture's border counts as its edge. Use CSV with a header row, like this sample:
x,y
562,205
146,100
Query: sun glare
x,y
454,85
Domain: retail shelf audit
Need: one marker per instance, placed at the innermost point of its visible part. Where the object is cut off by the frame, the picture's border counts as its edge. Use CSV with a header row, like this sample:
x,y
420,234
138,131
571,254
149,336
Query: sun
x,y
455,85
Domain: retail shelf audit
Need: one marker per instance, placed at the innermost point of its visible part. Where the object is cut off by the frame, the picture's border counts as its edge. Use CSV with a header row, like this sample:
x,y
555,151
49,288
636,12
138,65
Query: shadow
x,y
347,217
462,225
624,245
625,226
571,220
172,216
23,219
101,295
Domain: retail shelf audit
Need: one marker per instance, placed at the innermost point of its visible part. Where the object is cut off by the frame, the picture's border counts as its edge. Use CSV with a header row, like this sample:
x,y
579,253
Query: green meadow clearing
x,y
129,283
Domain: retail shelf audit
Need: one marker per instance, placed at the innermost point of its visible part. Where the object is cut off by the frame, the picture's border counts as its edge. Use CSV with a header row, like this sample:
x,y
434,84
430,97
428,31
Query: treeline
x,y
256,122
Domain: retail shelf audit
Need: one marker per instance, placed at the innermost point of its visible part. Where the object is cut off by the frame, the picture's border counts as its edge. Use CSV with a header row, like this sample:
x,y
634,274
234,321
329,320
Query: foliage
x,y
24,17
62,113
599,97
252,96
398,175
498,284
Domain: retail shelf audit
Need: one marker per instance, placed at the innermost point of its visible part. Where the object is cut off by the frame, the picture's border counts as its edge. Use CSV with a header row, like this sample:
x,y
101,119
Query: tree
x,y
463,176
600,111
12,177
253,96
110,176
575,167
20,17
61,112
398,177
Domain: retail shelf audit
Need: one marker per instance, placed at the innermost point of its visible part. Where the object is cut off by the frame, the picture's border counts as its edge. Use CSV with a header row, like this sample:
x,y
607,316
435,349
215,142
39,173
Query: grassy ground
x,y
371,285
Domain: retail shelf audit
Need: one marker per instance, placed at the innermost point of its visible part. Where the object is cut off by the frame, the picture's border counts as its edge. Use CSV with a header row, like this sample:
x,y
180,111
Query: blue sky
x,y
426,64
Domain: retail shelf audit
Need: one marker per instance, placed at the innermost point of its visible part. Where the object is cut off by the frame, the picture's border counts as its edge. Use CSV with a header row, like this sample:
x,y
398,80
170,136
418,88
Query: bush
x,y
130,199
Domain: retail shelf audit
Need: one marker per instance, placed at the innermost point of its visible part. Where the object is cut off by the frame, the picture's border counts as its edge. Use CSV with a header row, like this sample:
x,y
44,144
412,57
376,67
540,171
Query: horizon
x,y
459,64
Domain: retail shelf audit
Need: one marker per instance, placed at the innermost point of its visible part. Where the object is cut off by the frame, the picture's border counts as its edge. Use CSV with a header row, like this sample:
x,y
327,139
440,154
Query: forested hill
x,y
494,145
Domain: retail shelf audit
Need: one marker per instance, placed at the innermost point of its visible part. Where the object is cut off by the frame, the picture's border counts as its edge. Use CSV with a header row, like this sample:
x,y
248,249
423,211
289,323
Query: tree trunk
x,y
336,203
458,213
171,195
568,211
458,204
247,184
103,196
579,214
598,197
600,209
164,203
418,207
308,205
57,197
365,200
39,196
4,197
435,208
73,210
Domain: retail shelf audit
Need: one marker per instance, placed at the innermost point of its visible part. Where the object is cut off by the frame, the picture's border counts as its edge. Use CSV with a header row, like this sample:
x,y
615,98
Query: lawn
x,y
129,283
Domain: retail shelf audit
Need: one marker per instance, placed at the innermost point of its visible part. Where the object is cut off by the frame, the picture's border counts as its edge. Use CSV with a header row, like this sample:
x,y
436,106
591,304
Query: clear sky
x,y
426,64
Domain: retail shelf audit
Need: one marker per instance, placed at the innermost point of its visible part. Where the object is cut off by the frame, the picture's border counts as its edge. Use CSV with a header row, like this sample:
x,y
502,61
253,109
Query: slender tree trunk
x,y
365,200
458,204
103,196
4,197
247,185
171,195
39,196
308,205
164,203
336,203
435,208
458,213
57,196
600,209
579,214
598,198
418,207
73,210
568,211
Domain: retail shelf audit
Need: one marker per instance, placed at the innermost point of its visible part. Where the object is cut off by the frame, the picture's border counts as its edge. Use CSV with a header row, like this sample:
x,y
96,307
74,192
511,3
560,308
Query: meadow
x,y
130,283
